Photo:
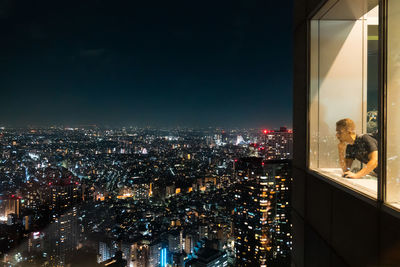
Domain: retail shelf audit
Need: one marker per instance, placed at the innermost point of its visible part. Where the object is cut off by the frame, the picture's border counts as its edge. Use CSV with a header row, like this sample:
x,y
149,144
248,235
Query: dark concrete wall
x,y
332,226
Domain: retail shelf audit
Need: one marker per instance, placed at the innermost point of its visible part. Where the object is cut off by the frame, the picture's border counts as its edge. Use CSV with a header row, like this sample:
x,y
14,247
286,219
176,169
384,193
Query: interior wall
x,y
340,77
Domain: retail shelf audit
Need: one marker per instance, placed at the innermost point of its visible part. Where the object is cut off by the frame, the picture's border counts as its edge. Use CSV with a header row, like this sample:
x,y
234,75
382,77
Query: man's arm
x,y
345,163
349,162
369,167
342,156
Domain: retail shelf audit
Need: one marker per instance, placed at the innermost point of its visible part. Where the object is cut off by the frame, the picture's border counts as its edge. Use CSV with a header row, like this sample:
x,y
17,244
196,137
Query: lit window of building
x,y
346,62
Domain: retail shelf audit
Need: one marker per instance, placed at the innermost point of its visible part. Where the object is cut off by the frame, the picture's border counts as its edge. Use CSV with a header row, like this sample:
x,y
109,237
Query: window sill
x,y
367,185
395,205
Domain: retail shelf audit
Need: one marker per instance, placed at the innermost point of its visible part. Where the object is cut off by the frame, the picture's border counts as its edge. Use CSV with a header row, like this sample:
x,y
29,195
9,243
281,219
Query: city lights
x,y
145,196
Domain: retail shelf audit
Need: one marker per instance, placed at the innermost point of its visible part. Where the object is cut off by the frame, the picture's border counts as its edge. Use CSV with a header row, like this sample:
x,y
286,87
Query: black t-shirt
x,y
362,147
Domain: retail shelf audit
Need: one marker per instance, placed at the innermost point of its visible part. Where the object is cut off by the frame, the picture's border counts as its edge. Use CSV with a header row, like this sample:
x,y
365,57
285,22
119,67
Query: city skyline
x,y
145,197
146,133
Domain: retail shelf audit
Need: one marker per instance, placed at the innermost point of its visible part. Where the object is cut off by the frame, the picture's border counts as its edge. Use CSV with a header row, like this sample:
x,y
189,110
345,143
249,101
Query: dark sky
x,y
159,63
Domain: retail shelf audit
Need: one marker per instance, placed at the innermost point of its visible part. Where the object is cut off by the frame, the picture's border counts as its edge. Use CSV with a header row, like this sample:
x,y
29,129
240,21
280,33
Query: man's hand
x,y
369,167
352,175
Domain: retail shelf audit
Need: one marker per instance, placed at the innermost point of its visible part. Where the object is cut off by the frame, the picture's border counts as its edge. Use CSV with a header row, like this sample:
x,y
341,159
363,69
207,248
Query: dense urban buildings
x,y
145,197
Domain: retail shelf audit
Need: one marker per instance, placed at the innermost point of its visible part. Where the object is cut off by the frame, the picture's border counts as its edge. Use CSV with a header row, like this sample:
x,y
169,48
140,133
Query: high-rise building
x,y
208,257
280,173
155,253
250,238
62,236
61,196
278,144
203,231
174,242
190,242
11,205
107,250
140,254
260,211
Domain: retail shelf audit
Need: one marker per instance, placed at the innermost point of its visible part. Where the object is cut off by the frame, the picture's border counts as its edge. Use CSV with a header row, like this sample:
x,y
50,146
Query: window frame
x,y
383,108
380,195
382,100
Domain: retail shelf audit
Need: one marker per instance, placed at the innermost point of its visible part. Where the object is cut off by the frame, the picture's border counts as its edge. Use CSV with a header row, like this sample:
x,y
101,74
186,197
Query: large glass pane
x,y
393,105
344,93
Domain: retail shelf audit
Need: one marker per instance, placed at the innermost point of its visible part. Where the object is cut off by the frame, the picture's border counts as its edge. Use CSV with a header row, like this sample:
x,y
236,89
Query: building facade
x,y
345,66
261,218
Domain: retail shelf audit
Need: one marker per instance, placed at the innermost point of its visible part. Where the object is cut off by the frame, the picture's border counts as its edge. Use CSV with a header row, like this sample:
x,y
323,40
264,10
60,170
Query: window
x,y
344,84
393,105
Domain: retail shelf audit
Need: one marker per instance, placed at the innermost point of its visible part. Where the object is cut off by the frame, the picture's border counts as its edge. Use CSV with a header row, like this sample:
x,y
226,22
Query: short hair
x,y
347,124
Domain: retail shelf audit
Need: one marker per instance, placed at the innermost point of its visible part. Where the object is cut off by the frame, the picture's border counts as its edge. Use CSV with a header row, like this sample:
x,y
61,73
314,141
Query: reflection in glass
x,y
393,105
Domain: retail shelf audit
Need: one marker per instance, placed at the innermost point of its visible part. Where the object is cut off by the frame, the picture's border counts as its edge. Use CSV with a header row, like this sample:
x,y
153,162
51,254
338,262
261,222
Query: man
x,y
351,146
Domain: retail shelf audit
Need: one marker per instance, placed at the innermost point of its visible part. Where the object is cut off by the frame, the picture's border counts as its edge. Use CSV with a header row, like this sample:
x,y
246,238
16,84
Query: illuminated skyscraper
x,y
61,195
248,236
280,172
62,236
259,217
10,205
279,144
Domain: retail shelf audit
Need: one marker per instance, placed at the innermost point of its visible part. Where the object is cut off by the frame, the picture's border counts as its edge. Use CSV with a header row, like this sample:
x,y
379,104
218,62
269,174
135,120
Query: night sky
x,y
146,63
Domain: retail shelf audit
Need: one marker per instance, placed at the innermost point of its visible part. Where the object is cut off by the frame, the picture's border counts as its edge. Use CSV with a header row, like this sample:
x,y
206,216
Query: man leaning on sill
x,y
352,146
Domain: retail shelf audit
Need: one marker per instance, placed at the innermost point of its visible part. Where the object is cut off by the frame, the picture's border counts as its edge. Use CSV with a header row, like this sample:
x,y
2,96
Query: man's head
x,y
346,130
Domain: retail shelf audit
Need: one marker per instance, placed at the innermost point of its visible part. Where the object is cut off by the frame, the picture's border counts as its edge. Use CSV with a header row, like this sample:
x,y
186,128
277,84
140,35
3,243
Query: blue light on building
x,y
163,261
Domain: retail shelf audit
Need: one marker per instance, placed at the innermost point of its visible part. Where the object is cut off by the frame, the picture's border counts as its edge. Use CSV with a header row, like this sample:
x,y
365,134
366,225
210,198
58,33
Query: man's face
x,y
343,135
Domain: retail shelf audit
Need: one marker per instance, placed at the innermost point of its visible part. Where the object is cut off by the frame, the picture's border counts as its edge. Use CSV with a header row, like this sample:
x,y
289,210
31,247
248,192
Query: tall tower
x,y
260,217
61,195
279,174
